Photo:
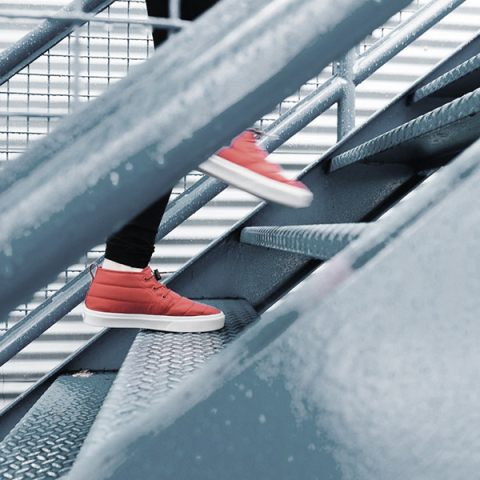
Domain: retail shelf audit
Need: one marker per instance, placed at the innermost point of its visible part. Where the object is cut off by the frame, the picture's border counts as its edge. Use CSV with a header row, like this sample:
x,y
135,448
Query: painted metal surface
x,y
330,385
447,129
338,89
453,83
157,364
317,241
105,352
43,37
403,35
46,441
101,154
346,112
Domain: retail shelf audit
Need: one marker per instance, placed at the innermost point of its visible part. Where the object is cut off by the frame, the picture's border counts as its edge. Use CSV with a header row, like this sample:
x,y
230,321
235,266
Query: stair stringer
x,y
367,371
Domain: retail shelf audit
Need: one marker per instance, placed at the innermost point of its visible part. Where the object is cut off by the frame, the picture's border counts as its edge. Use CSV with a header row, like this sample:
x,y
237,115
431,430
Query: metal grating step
x,y
318,241
156,364
442,131
458,81
45,443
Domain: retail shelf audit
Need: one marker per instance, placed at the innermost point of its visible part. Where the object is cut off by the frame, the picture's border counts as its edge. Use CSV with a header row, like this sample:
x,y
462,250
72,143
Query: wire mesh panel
x,y
84,64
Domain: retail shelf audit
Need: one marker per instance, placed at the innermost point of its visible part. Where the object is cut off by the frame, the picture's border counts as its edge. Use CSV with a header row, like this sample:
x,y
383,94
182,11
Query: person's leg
x,y
125,292
134,244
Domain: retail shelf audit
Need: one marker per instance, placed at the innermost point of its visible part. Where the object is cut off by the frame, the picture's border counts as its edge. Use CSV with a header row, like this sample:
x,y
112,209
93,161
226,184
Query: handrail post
x,y
346,105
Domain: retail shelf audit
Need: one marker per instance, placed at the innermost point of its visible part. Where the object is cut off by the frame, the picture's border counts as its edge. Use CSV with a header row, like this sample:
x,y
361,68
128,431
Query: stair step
x,y
460,80
318,241
157,363
44,444
445,130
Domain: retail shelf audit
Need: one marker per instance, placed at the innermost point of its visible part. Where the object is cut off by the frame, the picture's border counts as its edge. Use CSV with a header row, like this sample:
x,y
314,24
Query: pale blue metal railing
x,y
351,71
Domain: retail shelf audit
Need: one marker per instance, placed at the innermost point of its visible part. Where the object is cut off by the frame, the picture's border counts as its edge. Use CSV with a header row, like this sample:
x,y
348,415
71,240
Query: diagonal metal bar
x,y
44,37
401,37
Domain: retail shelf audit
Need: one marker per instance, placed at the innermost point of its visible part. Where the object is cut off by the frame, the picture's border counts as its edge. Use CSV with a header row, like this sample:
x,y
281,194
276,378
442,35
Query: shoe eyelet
x,y
154,288
164,296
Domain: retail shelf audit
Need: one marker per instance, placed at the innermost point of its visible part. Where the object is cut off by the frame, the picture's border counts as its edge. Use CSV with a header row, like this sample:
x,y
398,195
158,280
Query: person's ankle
x,y
119,267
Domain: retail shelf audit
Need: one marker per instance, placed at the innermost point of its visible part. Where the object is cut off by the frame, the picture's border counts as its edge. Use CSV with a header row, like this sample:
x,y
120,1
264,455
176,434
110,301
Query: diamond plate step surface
x,y
45,443
454,83
318,241
156,364
447,129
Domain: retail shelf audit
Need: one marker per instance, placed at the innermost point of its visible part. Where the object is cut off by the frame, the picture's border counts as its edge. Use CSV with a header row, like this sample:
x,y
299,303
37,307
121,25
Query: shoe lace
x,y
157,275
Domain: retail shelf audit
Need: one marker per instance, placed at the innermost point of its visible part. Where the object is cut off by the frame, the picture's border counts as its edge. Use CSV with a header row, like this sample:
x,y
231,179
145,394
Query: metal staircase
x,y
160,421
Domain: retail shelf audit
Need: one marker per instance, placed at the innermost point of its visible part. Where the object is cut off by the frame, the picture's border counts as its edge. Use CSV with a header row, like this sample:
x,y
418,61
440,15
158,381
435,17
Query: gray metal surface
x,y
318,241
99,156
446,129
403,35
157,363
43,37
334,90
46,441
453,82
332,385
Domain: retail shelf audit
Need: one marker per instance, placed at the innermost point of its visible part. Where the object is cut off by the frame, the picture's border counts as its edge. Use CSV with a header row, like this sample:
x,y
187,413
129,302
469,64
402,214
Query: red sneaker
x,y
138,300
244,165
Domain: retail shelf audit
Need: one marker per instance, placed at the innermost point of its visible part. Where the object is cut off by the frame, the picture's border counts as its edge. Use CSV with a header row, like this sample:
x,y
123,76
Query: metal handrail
x,y
334,90
44,37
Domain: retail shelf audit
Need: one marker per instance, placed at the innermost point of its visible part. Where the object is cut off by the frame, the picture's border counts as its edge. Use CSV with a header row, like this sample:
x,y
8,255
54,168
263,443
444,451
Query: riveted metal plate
x,y
45,443
157,363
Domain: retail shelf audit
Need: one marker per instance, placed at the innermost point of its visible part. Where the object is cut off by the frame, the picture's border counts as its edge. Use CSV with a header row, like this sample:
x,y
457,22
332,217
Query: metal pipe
x,y
42,38
302,114
81,18
103,151
401,37
346,105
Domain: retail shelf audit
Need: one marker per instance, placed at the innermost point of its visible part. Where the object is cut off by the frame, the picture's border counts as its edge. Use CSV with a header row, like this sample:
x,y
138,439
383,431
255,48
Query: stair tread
x,y
449,128
157,363
318,241
46,441
454,83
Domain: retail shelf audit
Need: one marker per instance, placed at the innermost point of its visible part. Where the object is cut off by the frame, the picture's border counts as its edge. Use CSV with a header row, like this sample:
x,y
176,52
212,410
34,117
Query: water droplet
x,y
114,178
249,394
262,418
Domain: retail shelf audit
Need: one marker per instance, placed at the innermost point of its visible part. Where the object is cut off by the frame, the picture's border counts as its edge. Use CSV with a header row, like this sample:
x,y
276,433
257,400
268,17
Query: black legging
x,y
134,244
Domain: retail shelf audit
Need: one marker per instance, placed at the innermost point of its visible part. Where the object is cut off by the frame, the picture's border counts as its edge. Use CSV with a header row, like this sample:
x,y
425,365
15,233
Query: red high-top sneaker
x,y
244,165
138,300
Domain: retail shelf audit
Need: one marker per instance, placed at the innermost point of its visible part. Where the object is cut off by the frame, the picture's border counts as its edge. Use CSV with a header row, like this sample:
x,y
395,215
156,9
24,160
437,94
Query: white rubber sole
x,y
164,323
255,183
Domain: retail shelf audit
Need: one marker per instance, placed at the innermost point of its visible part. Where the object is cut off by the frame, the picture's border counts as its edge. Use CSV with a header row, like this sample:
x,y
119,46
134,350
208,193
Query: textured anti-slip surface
x,y
158,362
457,73
465,108
46,441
